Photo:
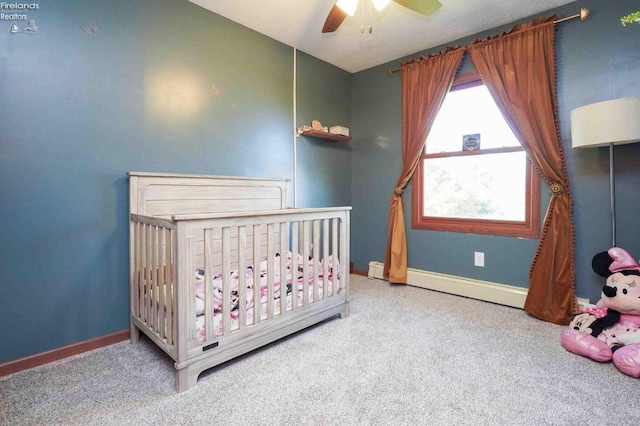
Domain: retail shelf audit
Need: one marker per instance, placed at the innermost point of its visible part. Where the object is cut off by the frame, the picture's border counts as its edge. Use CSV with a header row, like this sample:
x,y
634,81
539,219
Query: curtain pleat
x,y
425,83
519,70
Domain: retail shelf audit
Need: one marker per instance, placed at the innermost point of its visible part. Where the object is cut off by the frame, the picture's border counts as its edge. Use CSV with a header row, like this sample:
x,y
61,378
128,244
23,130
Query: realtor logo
x,y
16,11
13,11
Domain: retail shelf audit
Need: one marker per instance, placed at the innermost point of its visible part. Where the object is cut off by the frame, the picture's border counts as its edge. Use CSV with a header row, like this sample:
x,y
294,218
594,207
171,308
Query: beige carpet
x,y
404,356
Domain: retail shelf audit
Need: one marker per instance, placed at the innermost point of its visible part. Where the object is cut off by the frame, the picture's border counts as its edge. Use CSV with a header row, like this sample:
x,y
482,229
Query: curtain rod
x,y
584,12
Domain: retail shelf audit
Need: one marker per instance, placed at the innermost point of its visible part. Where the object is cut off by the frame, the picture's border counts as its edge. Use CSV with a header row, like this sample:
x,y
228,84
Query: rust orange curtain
x,y
519,70
425,83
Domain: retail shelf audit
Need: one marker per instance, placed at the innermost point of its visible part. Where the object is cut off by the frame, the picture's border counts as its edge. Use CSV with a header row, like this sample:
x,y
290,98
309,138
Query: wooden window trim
x,y
529,228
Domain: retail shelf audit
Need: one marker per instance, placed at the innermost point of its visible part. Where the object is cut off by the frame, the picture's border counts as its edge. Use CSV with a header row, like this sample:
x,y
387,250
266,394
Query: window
x,y
474,176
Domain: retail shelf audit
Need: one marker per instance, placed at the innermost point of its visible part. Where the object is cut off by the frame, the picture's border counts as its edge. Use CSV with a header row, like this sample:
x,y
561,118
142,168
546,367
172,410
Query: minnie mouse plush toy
x,y
610,331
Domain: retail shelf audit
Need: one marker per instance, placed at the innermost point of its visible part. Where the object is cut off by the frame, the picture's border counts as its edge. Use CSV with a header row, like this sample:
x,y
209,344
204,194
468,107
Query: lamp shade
x,y
610,122
348,6
380,4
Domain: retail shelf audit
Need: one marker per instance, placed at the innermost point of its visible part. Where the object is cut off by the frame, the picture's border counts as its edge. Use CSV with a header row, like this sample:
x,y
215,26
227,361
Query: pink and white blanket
x,y
250,276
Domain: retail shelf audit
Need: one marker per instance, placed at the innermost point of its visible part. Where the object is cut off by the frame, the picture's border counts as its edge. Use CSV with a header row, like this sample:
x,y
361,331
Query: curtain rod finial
x,y
584,12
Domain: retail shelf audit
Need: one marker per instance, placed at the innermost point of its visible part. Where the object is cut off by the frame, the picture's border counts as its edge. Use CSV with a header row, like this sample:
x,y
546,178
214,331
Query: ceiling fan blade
x,y
334,19
425,7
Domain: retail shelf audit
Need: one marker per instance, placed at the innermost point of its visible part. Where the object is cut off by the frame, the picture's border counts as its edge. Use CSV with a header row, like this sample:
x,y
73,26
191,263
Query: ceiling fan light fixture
x,y
348,6
380,4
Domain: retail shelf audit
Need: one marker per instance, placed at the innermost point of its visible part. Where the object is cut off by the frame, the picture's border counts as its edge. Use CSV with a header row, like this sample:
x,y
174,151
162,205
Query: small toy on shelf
x,y
303,129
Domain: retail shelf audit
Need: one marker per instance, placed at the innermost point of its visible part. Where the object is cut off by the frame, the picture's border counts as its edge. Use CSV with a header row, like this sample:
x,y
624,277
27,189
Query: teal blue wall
x,y
162,85
597,59
326,98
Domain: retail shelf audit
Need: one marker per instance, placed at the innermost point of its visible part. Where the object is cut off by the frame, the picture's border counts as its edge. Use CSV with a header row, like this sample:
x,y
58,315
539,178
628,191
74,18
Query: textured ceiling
x,y
397,31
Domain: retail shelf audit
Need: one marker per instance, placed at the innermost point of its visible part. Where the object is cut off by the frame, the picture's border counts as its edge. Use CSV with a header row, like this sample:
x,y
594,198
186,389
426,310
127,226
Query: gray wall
x,y
597,59
162,86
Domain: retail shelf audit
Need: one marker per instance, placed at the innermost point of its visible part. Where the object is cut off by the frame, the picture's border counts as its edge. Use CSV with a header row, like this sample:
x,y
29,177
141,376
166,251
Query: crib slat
x,y
154,274
325,258
151,280
170,286
305,261
316,259
257,279
270,272
143,272
295,228
147,275
226,287
334,258
344,243
137,294
153,305
242,277
162,283
208,285
283,268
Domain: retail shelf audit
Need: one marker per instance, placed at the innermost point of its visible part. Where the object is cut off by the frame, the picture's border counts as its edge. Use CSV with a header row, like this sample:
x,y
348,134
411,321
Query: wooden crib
x,y
219,266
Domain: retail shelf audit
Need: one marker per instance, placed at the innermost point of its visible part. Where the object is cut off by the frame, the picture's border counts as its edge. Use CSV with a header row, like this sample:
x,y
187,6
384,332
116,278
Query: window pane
x,y
467,112
489,186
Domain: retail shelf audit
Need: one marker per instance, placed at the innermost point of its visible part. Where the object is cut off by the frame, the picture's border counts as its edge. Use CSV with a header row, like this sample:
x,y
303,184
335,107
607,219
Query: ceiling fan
x,y
342,8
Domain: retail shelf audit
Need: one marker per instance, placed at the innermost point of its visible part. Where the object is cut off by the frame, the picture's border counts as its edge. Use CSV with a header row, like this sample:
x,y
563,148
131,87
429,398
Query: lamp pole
x,y
612,191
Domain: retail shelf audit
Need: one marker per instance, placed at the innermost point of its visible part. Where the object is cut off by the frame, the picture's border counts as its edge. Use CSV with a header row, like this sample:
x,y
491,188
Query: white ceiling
x,y
397,31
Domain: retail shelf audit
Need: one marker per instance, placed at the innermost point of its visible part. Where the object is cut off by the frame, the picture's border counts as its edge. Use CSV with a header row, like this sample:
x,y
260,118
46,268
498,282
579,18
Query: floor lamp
x,y
607,123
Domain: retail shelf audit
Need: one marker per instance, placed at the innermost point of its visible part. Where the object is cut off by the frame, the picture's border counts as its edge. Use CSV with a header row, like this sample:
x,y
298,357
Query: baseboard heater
x,y
502,294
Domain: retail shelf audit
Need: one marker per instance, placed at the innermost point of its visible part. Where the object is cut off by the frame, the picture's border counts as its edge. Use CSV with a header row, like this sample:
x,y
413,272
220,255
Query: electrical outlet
x,y
478,258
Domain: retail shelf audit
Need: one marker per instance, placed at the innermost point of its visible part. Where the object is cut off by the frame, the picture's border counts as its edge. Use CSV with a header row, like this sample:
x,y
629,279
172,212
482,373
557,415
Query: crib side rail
x,y
278,292
152,279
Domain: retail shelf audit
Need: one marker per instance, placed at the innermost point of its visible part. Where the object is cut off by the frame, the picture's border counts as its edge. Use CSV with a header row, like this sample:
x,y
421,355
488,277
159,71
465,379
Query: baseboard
x,y
60,353
353,270
502,294
359,272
